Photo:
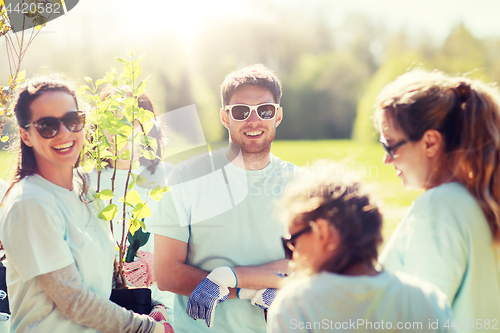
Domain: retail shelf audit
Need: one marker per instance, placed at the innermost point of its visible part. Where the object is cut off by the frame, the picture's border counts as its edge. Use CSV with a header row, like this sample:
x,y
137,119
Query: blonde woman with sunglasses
x,y
59,255
442,135
334,231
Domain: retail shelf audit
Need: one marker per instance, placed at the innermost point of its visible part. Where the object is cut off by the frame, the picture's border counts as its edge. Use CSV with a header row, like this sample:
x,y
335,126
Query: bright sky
x,y
185,18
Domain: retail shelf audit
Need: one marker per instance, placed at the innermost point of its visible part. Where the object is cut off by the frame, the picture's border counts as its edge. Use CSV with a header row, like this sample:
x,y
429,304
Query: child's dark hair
x,y
322,194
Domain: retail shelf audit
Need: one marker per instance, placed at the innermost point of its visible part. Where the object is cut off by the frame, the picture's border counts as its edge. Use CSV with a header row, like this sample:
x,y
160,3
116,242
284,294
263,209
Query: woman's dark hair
x,y
144,102
467,114
34,88
321,193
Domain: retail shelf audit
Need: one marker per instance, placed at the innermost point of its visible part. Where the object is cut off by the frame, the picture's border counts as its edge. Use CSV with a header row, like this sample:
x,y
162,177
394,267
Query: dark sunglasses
x,y
240,112
289,241
391,149
48,127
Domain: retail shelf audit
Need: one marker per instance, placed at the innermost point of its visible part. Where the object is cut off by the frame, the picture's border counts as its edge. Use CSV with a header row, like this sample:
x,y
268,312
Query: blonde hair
x,y
466,113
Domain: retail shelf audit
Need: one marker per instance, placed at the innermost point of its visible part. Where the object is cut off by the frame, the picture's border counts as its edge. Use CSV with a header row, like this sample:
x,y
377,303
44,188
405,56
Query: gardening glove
x,y
158,311
139,273
262,298
214,289
163,327
159,314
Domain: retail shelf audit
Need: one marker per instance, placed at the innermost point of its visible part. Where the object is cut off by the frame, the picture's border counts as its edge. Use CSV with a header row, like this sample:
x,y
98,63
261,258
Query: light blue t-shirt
x,y
45,227
225,214
445,239
152,180
385,302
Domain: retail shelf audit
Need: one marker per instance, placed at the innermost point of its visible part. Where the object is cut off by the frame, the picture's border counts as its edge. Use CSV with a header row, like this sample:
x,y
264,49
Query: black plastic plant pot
x,y
137,300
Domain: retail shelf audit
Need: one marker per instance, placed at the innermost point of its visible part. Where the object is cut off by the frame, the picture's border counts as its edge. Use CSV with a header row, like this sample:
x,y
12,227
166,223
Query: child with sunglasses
x,y
59,254
442,134
334,232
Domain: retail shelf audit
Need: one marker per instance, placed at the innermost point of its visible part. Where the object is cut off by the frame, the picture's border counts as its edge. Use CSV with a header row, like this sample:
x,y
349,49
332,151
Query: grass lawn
x,y
362,160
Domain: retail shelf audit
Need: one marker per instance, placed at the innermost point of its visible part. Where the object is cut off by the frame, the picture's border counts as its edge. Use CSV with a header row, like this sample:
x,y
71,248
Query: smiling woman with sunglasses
x,y
59,254
334,232
451,234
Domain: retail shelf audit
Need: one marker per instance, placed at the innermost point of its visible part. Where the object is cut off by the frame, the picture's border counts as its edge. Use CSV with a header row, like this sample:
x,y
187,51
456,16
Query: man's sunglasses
x,y
240,112
289,241
48,127
392,149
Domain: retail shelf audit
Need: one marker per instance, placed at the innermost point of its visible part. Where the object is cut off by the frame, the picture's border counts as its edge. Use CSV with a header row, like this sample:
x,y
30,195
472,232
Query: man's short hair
x,y
256,75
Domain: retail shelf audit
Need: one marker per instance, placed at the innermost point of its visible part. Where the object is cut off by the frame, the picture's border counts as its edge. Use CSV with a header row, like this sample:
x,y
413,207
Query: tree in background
x,y
461,53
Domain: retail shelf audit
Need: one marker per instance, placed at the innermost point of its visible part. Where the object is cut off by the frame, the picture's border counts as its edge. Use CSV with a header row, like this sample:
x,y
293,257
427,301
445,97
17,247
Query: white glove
x,y
214,289
262,298
159,314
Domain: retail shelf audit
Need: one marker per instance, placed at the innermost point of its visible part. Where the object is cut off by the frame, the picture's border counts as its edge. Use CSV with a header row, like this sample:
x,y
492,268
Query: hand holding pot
x,y
139,273
159,314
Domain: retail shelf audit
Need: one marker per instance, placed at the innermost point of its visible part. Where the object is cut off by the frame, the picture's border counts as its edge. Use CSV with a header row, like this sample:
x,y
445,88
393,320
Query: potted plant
x,y
115,137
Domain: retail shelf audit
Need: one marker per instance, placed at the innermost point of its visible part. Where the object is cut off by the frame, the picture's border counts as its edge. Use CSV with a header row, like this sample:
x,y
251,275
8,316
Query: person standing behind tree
x,y
442,134
216,220
139,272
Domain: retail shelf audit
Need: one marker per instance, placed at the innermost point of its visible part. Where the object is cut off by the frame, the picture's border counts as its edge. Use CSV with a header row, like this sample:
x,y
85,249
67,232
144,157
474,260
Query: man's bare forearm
x,y
261,277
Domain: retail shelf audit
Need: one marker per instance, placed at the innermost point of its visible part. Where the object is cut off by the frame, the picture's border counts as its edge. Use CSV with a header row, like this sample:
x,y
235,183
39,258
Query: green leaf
x,y
139,59
141,88
87,166
88,79
157,192
135,165
141,181
132,183
149,155
125,155
21,76
131,52
100,81
109,212
106,194
142,224
141,211
133,225
133,198
121,61
82,89
147,121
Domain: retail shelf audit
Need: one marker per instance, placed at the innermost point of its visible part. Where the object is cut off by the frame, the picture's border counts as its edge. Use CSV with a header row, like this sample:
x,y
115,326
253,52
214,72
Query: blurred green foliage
x,y
460,53
331,74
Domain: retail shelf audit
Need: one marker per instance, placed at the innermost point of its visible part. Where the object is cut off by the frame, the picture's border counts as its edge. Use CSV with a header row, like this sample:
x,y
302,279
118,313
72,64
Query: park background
x,y
332,57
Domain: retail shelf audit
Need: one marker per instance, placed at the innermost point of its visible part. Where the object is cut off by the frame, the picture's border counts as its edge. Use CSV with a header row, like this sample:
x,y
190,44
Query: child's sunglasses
x,y
48,127
289,241
240,112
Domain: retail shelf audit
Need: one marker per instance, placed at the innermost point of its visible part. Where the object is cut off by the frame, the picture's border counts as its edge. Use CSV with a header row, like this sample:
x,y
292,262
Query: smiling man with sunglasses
x,y
217,243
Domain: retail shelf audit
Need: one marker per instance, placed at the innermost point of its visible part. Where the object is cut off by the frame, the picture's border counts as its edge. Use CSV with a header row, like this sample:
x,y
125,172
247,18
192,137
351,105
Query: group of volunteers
x,y
246,242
